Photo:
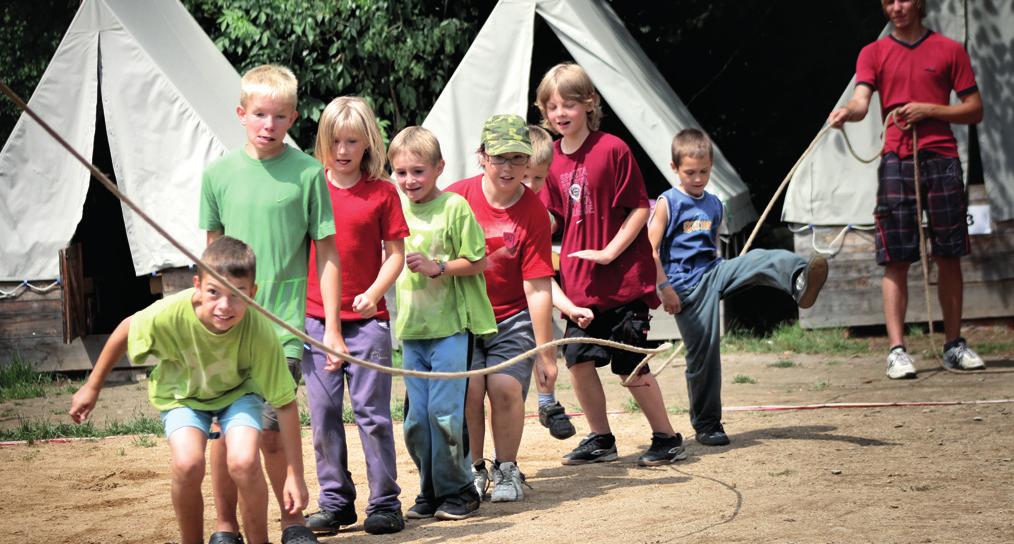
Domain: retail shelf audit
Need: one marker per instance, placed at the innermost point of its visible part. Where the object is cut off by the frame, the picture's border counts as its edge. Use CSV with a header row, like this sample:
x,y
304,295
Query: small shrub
x,y
631,406
144,441
743,378
783,364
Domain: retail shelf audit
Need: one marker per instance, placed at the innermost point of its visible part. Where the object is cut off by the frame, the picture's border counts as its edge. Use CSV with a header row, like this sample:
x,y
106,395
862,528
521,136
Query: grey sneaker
x,y
507,483
481,477
960,356
899,364
810,280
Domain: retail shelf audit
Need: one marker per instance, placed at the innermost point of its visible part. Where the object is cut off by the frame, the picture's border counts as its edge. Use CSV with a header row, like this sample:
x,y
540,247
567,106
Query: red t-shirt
x,y
591,192
518,245
926,71
365,216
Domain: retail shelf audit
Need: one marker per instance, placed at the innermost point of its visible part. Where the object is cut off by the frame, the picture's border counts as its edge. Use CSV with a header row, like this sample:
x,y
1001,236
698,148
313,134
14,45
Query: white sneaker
x,y
899,364
962,357
481,478
507,480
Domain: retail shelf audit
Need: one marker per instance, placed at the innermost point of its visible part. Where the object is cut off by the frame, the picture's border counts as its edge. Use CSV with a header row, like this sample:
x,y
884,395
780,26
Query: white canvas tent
x,y
168,97
832,188
493,77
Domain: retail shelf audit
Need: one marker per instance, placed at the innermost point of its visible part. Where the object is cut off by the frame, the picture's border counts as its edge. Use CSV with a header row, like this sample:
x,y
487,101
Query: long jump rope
x,y
649,353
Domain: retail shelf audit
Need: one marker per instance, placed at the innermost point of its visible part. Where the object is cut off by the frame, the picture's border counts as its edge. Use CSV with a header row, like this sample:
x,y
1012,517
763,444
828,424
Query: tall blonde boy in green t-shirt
x,y
275,198
215,360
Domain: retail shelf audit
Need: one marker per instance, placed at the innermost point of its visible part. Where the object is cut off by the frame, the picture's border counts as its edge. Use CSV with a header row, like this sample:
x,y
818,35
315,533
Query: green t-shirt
x,y
276,206
204,370
443,228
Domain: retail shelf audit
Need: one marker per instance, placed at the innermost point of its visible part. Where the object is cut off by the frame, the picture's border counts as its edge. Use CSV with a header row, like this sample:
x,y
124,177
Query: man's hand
x,y
365,305
83,402
838,117
670,300
597,256
912,113
333,339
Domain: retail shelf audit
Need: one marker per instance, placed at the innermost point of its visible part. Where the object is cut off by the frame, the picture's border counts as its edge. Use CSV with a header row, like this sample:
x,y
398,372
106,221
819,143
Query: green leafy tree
x,y
397,54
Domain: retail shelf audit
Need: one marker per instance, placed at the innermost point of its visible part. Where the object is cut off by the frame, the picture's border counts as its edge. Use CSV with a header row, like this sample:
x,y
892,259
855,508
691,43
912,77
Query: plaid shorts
x,y
943,200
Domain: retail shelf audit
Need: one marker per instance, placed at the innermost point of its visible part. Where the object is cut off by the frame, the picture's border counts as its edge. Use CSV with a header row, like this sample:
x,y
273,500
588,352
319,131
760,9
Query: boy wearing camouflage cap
x,y
518,273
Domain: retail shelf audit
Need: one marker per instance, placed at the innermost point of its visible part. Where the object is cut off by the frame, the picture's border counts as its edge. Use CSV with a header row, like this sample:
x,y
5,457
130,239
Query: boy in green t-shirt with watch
x,y
215,360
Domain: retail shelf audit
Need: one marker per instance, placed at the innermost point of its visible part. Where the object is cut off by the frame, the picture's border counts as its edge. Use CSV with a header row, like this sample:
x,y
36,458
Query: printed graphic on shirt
x,y
700,223
576,182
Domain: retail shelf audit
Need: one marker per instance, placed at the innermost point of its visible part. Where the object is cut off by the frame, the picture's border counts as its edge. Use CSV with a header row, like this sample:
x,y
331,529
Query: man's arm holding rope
x,y
856,108
966,112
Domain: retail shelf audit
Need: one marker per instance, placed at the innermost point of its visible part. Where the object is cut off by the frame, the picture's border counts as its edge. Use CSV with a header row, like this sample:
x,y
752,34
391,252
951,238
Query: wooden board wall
x,y
852,296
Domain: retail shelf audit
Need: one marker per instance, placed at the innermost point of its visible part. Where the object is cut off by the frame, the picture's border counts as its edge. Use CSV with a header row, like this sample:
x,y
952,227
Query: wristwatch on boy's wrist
x,y
664,284
443,267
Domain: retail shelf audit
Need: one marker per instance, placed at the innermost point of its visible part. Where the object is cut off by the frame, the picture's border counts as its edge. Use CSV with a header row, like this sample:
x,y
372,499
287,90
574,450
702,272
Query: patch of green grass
x,y
785,472
398,410
820,385
304,417
143,441
783,364
743,378
397,359
18,380
563,386
32,430
993,348
677,410
794,339
631,406
833,362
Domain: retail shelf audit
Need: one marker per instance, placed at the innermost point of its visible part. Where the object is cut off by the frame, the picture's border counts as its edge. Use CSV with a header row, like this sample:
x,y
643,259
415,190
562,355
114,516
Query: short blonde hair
x,y
417,141
269,80
542,146
571,82
691,143
353,114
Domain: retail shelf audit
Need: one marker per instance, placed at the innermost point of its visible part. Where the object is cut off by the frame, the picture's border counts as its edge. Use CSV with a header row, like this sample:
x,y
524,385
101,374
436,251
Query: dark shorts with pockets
x,y
627,323
269,417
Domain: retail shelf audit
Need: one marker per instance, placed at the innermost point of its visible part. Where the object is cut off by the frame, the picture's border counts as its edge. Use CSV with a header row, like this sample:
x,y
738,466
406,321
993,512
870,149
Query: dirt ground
x,y
899,474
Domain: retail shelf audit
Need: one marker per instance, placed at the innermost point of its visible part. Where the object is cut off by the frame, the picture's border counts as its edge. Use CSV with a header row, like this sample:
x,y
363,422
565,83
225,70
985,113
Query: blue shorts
x,y
244,412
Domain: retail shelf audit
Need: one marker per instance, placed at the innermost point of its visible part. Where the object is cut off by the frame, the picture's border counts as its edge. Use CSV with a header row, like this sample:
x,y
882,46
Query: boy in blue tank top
x,y
693,278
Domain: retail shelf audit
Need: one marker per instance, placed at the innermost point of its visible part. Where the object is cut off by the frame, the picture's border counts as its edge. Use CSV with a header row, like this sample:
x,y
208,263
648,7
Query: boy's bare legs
x,y
276,466
894,289
475,416
187,447
244,468
648,395
591,396
223,489
507,415
950,291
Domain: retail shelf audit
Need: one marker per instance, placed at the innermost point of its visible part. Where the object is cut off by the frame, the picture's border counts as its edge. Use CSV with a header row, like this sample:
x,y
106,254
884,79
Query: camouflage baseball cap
x,y
506,134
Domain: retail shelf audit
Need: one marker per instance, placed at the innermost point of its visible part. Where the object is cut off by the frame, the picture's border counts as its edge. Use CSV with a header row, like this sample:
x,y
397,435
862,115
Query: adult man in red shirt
x,y
915,69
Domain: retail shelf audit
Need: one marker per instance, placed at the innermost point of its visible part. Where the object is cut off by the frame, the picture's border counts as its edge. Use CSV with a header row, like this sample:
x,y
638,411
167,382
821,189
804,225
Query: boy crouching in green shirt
x,y
215,360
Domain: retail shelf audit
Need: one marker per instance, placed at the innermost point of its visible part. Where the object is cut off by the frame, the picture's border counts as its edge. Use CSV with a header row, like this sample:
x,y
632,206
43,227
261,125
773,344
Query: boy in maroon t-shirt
x,y
915,69
596,193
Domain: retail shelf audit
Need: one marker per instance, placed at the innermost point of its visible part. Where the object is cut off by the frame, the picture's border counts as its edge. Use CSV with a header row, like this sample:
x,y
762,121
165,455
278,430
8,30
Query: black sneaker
x,y
809,281
383,522
225,537
460,506
329,522
297,534
424,507
664,450
554,418
713,438
595,448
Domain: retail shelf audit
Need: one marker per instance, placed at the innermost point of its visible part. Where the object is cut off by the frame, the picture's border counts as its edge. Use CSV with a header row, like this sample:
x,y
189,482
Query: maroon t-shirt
x,y
590,192
926,71
365,216
518,245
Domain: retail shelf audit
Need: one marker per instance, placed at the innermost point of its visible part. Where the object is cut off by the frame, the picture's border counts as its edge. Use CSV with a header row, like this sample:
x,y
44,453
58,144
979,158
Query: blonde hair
x,y
418,141
571,82
691,143
919,5
542,146
353,114
269,80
